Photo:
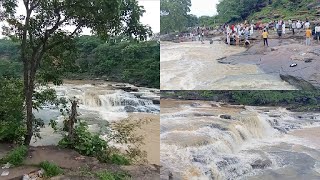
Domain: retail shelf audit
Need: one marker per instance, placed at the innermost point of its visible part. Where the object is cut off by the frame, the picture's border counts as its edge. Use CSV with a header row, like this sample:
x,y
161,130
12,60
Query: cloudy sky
x,y
151,17
204,7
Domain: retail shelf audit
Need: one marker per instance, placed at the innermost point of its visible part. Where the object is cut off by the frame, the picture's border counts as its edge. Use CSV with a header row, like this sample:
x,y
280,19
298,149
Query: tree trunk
x,y
29,88
72,119
29,117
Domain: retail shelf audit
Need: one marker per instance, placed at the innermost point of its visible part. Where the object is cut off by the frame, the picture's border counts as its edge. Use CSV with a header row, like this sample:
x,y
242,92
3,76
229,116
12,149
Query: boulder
x,y
129,109
195,104
261,164
225,116
156,101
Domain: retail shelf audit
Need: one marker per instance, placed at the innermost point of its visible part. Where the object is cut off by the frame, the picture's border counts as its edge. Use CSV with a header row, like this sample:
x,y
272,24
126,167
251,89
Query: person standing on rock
x,y
290,24
307,25
299,25
317,31
228,38
265,38
251,30
202,37
283,28
293,27
279,30
308,36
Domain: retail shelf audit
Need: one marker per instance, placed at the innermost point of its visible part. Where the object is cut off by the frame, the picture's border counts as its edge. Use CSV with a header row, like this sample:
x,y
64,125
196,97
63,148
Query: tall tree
x,y
47,27
173,15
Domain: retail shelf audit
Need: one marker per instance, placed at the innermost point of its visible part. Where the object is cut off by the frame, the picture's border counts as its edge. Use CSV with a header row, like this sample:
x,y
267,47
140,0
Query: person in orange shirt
x,y
308,36
265,38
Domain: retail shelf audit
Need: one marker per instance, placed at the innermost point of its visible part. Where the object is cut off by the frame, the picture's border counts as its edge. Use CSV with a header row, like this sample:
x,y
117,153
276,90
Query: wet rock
x,y
195,105
308,60
129,109
281,129
156,101
274,115
261,164
297,82
218,126
203,114
225,116
128,89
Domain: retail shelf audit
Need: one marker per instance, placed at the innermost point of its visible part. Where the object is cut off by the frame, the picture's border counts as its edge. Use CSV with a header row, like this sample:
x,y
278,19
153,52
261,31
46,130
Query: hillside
x,y
286,9
267,10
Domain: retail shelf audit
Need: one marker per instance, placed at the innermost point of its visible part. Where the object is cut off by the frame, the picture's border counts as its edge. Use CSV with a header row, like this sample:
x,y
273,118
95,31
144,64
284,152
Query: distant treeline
x,y
116,60
294,100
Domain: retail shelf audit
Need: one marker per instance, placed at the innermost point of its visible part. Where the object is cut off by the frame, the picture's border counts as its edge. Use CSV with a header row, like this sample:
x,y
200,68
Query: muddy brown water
x,y
195,66
255,143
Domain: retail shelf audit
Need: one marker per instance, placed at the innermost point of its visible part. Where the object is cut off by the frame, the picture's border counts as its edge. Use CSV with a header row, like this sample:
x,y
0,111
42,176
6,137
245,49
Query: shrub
x,y
50,169
85,142
106,175
12,127
15,156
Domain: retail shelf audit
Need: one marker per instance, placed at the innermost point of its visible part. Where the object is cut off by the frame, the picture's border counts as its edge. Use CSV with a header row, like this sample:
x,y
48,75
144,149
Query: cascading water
x,y
104,102
204,142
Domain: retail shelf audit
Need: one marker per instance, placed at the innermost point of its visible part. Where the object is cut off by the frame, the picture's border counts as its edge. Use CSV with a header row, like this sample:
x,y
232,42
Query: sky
x,y
204,7
151,17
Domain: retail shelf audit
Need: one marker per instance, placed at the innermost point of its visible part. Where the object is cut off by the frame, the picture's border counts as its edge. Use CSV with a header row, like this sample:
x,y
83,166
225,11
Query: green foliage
x,y
84,142
15,156
12,128
106,175
126,61
113,156
50,169
173,16
45,43
295,100
235,10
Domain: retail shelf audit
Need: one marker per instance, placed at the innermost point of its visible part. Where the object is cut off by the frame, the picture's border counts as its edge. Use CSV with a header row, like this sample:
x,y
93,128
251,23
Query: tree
x,y
192,20
44,35
173,15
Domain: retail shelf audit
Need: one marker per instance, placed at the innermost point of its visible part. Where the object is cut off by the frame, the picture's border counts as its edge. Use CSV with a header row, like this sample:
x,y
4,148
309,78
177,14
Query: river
x,y
103,102
265,143
194,66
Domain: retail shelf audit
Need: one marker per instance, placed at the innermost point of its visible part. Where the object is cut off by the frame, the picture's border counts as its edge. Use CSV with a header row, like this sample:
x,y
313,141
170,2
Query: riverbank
x,y
76,166
277,58
102,105
195,66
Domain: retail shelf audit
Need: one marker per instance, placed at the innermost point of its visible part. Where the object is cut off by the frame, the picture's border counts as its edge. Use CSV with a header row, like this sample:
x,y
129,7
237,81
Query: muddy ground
x,y
75,166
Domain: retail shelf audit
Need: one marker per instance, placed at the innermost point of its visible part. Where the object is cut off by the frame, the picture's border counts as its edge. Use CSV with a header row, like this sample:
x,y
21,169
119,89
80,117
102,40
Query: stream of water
x,y
194,66
99,104
208,140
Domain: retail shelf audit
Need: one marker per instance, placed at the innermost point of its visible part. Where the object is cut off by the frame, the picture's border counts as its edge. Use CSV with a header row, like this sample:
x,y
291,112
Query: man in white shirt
x,y
307,25
298,25
317,31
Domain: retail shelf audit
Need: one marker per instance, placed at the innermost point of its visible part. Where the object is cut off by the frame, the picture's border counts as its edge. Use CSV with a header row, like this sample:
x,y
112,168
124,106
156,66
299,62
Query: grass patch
x,y
106,175
15,156
119,159
50,169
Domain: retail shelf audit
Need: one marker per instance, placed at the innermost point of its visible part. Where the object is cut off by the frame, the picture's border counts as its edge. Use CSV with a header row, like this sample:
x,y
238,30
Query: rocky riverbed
x,y
277,58
211,140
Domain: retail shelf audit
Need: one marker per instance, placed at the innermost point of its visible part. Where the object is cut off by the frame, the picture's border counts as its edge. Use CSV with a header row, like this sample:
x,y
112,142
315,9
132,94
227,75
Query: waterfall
x,y
198,143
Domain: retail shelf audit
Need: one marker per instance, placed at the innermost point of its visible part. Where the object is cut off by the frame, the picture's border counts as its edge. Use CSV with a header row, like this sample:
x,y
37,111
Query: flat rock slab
x,y
277,58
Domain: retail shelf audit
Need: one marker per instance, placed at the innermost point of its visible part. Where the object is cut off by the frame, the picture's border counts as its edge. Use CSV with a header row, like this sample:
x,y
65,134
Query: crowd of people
x,y
236,32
